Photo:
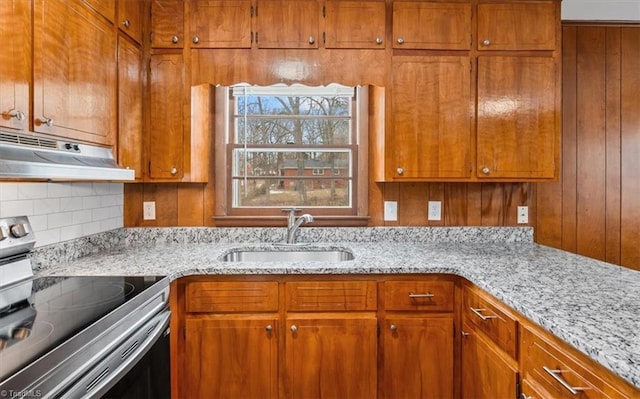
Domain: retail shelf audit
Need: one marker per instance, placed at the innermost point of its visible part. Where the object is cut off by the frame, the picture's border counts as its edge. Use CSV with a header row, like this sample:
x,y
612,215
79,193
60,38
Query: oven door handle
x,y
120,361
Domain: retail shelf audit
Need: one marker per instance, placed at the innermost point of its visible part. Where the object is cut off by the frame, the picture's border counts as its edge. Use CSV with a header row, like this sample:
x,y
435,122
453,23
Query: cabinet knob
x,y
400,171
486,170
400,40
126,23
294,329
268,328
173,171
195,40
524,396
393,328
486,42
14,113
311,40
174,39
465,334
4,232
378,40
46,121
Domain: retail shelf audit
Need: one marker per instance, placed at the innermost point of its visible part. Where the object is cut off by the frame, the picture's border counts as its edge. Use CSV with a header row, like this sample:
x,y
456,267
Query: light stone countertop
x,y
592,305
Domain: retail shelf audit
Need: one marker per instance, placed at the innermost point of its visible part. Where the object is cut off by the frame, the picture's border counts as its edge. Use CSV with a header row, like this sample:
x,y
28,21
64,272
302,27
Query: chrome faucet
x,y
293,225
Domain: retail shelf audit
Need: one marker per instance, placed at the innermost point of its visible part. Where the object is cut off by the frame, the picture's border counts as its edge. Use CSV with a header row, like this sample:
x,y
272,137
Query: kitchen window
x,y
285,146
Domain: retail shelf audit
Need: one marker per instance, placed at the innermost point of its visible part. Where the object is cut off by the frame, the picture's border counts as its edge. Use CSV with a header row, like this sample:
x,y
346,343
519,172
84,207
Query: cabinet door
x,y
231,357
518,117
331,356
486,373
130,18
166,132
517,26
432,106
130,106
355,24
106,8
287,23
15,63
418,357
221,24
431,25
167,24
75,73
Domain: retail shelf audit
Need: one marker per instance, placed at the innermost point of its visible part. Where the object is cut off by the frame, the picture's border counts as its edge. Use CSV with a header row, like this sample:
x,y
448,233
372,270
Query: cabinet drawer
x,y
559,374
430,296
232,296
490,318
330,296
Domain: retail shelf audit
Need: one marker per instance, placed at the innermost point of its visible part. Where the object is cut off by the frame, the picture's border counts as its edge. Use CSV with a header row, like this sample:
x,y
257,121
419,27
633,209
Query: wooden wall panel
x,y
595,209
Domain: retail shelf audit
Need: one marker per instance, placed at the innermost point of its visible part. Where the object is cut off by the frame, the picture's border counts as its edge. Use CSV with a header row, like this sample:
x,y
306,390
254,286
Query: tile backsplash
x,y
64,211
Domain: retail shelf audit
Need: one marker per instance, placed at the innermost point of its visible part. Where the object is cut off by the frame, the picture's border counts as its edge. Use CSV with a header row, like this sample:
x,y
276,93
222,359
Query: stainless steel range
x,y
78,336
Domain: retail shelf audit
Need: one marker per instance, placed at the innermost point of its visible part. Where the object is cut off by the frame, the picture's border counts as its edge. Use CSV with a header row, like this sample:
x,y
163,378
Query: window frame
x,y
226,215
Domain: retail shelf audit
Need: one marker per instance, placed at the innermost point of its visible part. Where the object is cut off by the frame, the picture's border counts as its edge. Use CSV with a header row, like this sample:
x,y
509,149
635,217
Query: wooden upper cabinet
x,y
331,355
290,24
432,124
130,106
517,26
518,117
75,73
130,18
220,24
355,24
431,25
166,130
15,63
167,23
107,8
418,357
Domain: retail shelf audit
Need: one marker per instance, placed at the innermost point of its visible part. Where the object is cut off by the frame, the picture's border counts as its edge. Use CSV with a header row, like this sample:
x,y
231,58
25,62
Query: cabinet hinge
x,y
324,37
151,37
254,11
251,37
256,37
324,11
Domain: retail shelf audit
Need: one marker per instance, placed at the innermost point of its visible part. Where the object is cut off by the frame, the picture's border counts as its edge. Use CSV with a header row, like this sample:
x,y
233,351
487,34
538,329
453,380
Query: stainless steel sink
x,y
296,255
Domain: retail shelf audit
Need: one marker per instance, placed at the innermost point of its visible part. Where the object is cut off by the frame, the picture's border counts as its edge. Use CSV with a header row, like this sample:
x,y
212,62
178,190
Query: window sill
x,y
280,221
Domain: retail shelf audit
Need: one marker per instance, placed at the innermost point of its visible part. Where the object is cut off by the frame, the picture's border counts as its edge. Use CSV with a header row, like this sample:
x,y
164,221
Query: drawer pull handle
x,y
478,313
555,374
425,295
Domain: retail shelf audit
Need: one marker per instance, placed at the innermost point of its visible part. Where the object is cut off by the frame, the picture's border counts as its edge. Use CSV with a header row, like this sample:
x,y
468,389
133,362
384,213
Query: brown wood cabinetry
x,y
431,25
130,18
418,339
290,24
489,347
106,8
167,23
130,106
75,73
355,24
517,26
432,120
15,63
220,24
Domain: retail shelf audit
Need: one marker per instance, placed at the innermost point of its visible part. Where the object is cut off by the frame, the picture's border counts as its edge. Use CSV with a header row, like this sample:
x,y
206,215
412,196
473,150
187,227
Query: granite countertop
x,y
591,305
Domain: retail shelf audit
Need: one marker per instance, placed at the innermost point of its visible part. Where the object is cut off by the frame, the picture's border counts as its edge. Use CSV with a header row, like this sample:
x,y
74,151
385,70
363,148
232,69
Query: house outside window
x,y
291,146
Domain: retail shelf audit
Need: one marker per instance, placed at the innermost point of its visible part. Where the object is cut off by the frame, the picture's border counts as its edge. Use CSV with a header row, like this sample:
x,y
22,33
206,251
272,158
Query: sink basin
x,y
297,255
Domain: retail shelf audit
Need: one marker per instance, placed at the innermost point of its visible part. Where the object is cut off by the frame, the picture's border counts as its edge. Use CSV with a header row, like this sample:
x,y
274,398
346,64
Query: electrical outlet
x,y
149,210
390,211
435,210
523,214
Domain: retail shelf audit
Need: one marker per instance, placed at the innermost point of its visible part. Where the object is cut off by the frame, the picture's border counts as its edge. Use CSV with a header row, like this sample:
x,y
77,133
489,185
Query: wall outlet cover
x,y
435,210
149,210
523,214
390,211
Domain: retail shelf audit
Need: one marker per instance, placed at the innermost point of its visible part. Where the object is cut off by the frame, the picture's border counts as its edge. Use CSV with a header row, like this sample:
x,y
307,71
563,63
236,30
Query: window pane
x,y
279,192
281,130
252,162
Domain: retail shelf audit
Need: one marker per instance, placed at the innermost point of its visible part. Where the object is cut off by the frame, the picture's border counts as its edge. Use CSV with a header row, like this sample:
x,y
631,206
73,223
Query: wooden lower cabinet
x,y
331,356
231,357
486,372
418,356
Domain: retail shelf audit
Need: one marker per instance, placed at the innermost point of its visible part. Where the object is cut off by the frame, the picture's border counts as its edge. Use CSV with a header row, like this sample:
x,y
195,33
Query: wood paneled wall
x,y
595,209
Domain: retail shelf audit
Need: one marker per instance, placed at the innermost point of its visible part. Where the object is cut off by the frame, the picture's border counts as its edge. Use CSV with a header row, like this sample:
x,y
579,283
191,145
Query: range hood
x,y
39,158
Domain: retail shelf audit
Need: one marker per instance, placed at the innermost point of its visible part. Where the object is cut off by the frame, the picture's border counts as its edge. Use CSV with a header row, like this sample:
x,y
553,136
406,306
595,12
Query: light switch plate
x,y
149,210
523,214
390,211
435,210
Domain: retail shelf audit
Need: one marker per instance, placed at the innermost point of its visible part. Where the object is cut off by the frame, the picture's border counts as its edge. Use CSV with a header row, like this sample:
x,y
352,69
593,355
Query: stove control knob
x,y
4,232
19,230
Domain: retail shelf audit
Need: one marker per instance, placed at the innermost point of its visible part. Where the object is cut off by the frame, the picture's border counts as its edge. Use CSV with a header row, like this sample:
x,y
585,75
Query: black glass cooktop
x,y
39,315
